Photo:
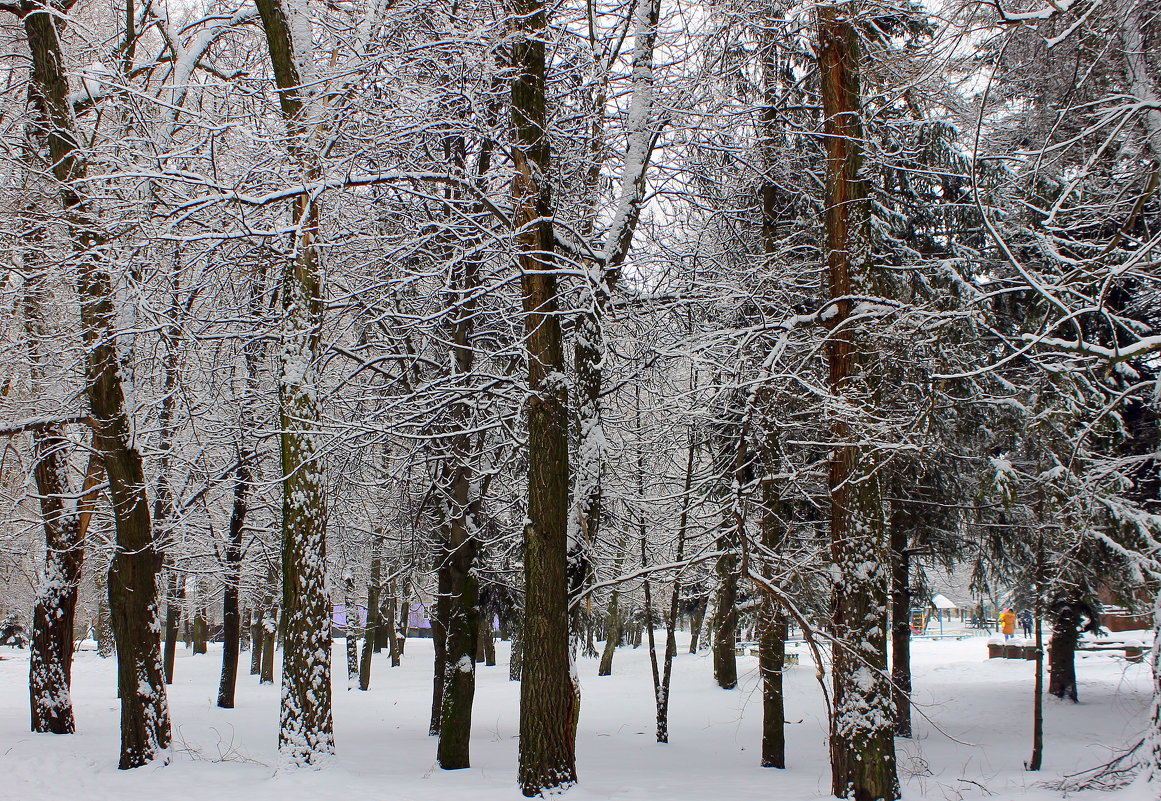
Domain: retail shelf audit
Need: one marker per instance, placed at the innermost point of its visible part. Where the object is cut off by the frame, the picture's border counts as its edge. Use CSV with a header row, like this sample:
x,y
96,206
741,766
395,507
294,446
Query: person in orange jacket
x,y
1008,623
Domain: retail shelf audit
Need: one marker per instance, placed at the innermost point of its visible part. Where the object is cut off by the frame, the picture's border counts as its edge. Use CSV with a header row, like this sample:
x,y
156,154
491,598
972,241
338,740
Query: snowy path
x,y
385,753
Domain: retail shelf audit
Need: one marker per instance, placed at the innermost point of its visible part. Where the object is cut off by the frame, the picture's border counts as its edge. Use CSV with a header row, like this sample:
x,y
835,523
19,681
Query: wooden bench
x,y
1000,650
1133,653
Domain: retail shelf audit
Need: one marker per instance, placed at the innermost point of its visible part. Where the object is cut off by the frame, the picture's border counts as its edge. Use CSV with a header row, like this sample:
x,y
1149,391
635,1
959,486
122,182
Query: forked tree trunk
x,y
696,622
145,728
549,698
54,611
862,733
306,729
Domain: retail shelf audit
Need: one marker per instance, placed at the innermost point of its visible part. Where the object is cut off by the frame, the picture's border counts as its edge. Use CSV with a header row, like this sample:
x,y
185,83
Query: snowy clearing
x,y
384,750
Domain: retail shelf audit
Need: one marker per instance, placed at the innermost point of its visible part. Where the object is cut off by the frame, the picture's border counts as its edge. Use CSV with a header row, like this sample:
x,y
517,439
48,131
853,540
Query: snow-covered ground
x,y
973,734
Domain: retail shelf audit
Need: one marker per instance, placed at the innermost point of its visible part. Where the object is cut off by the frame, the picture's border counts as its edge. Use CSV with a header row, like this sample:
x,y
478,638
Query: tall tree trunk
x,y
862,737
1038,685
145,728
772,637
549,698
462,628
231,613
374,616
901,625
174,599
54,611
269,640
674,604
696,621
351,631
256,632
725,624
200,629
306,729
614,618
771,663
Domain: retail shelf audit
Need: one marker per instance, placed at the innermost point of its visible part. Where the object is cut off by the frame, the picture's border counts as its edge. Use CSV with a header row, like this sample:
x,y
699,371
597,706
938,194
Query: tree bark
x,y
374,616
901,626
862,743
549,698
145,728
174,598
725,624
1062,650
54,610
306,729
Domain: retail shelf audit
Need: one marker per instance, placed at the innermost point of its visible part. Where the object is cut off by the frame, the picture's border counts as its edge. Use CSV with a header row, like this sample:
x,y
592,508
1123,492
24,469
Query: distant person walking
x,y
1026,623
1008,623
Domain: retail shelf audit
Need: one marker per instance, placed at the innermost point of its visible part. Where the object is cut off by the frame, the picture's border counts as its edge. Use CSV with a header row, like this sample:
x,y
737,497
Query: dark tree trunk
x,y
459,657
351,633
696,621
269,639
231,613
1062,651
725,627
256,640
145,729
862,737
901,626
375,624
54,611
175,597
612,634
306,732
549,699
771,662
200,631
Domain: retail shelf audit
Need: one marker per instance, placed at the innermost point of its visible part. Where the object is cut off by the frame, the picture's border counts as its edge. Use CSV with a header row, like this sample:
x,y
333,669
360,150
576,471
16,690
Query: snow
x,y
383,750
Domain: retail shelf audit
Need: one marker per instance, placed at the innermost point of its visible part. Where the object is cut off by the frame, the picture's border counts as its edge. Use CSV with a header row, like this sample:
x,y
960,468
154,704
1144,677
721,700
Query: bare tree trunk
x,y
269,639
145,728
549,698
725,624
231,613
350,631
901,626
614,618
200,628
1062,649
1038,685
862,736
374,616
54,612
306,732
256,638
174,598
696,621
